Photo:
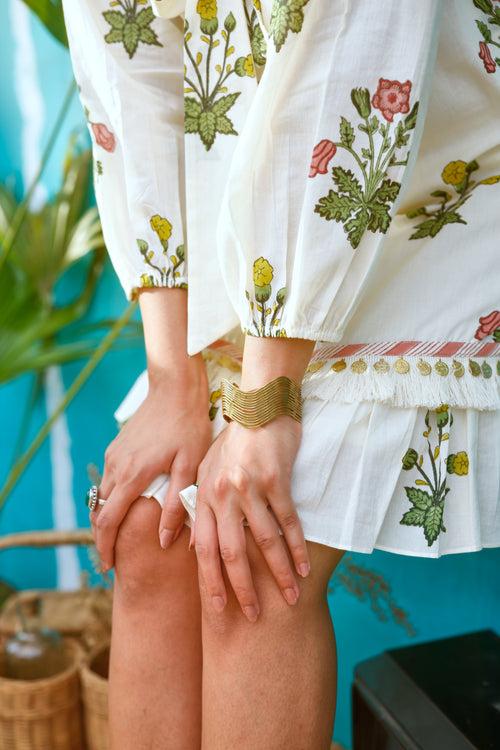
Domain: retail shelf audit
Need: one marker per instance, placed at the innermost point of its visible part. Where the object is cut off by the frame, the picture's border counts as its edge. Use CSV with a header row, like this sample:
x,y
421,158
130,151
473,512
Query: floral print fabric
x,y
294,194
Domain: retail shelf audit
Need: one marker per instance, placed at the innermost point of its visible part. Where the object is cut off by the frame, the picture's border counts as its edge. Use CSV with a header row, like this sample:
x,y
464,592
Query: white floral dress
x,y
330,171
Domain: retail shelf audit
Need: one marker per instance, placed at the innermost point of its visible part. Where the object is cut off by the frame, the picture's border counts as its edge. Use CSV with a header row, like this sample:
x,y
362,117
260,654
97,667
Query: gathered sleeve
x,y
129,70
323,160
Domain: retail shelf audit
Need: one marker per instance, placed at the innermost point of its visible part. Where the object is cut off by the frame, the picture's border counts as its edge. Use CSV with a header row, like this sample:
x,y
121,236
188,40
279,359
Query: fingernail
x,y
166,537
218,603
291,595
251,612
304,569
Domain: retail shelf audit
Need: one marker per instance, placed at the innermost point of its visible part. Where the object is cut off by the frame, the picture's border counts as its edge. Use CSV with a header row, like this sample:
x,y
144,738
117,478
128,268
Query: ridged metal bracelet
x,y
258,407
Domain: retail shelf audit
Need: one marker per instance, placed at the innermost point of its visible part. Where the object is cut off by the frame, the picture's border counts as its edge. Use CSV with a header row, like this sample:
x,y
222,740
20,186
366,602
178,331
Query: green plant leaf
x,y
346,132
145,17
191,124
485,31
401,137
388,191
347,183
419,498
192,107
131,34
207,128
356,226
148,36
335,207
114,36
224,104
380,217
433,522
224,125
413,517
115,18
286,15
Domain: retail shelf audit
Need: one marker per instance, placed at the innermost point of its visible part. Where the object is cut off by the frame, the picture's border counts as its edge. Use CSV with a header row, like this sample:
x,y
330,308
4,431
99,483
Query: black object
x,y
440,695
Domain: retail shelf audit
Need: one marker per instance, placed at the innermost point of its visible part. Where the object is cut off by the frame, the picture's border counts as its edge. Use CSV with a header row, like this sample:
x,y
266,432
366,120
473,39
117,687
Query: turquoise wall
x,y
438,597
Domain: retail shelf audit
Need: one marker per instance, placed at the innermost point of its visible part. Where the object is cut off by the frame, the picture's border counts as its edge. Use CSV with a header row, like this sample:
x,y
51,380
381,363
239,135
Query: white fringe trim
x,y
405,389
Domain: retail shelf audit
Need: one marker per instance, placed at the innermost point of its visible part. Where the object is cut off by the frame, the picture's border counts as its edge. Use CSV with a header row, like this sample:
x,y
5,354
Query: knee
x,y
142,568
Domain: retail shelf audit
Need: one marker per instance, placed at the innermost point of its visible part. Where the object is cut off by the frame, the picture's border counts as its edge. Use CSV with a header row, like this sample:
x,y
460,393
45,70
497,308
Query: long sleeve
x,y
323,160
129,69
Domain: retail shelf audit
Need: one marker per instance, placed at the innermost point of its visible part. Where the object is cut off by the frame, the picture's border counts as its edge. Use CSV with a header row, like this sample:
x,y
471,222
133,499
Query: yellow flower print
x,y
459,463
162,227
455,172
257,5
146,280
442,408
249,66
207,9
262,272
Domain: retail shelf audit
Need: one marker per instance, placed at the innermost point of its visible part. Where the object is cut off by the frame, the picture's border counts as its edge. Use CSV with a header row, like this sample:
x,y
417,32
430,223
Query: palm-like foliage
x,y
47,244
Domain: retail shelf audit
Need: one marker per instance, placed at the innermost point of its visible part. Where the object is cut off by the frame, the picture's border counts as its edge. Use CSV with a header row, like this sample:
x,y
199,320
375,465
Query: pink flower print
x,y
485,55
103,137
323,153
392,98
488,325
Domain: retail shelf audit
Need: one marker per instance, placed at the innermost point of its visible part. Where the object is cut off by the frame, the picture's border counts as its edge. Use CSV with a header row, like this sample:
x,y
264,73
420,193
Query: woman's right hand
x,y
169,433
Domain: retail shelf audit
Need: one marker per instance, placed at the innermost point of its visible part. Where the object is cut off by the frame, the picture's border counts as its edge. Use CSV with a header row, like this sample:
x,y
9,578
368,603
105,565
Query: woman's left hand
x,y
245,474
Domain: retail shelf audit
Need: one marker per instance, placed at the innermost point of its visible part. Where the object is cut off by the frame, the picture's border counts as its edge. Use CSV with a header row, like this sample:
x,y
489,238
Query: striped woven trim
x,y
411,349
385,348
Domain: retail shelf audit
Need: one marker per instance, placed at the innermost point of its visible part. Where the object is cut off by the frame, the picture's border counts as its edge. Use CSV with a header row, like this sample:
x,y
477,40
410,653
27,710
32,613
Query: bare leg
x,y
155,669
271,684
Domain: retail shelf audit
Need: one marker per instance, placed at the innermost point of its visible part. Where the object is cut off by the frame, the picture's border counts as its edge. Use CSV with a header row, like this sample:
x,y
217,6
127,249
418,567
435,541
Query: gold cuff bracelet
x,y
260,406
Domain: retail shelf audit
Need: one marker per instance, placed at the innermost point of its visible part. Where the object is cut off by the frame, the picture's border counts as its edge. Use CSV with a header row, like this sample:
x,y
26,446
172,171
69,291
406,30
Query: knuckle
x,y
271,478
203,551
221,484
229,554
289,520
184,466
265,540
102,522
240,479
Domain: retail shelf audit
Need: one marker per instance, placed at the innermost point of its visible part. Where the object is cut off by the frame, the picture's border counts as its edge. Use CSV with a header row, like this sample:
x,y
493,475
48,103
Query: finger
x,y
207,554
174,513
232,545
267,537
109,518
284,510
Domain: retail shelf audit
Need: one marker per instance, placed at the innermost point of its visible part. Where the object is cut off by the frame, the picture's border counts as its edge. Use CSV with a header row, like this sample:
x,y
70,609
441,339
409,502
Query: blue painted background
x,y
441,597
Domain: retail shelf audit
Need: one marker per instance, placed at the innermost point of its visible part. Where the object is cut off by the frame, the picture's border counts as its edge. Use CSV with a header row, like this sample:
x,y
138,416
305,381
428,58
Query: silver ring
x,y
92,500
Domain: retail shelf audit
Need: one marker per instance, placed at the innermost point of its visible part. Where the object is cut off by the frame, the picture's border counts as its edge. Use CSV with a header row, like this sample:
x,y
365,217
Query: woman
x,y
323,178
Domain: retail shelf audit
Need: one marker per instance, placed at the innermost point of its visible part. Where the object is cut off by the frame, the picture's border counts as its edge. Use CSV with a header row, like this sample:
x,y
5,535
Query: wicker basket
x,y
42,714
94,680
84,614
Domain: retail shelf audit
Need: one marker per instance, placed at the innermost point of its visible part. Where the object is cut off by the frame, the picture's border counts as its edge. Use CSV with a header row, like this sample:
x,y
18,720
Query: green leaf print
x,y
413,517
335,207
130,26
433,522
420,499
286,15
346,132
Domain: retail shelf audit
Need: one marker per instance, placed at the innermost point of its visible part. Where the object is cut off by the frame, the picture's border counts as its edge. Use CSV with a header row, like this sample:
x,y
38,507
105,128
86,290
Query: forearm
x,y
164,315
266,358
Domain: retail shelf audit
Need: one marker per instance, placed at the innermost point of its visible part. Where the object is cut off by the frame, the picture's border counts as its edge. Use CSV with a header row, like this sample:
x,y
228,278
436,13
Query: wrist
x,y
265,359
185,373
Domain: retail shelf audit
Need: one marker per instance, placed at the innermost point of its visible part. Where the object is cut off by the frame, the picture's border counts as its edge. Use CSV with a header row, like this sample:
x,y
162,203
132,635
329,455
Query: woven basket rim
x,y
41,682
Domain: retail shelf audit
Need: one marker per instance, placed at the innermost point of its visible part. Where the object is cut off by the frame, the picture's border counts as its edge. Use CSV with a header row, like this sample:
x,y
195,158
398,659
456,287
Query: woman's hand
x,y
246,472
169,433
